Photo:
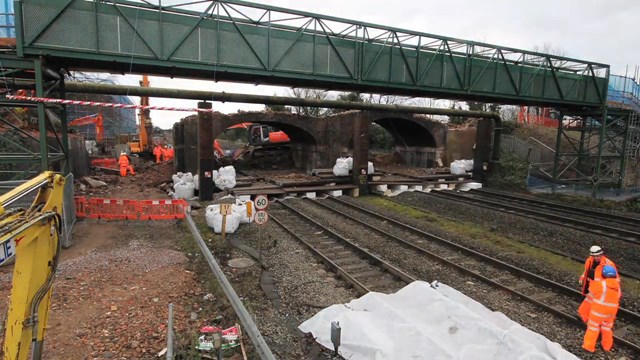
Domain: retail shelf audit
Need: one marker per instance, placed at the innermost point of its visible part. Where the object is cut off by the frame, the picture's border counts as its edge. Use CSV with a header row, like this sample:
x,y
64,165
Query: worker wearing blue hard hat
x,y
592,272
605,293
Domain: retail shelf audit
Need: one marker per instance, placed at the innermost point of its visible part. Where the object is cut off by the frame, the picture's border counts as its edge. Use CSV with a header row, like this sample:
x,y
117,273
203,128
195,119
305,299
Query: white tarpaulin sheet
x,y
428,321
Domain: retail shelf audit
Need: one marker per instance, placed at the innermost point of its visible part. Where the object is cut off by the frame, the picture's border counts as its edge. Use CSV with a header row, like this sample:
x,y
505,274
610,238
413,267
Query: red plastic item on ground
x,y
112,209
108,163
162,209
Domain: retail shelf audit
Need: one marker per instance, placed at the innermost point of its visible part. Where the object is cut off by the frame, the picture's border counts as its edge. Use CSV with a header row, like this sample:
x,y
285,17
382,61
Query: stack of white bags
x,y
460,167
233,221
344,165
184,186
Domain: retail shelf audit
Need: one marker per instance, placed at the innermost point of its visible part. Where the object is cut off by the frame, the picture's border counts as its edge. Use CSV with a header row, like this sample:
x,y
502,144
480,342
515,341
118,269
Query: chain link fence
x,y
68,211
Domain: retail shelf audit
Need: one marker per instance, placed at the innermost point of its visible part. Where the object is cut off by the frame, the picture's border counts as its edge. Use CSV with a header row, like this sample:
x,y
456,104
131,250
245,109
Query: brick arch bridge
x,y
317,142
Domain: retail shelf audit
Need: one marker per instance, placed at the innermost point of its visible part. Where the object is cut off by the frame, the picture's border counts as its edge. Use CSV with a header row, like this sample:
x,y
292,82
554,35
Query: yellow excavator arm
x,y
33,236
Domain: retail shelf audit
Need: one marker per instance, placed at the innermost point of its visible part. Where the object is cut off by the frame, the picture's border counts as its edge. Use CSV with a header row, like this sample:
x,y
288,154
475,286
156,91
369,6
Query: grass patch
x,y
485,235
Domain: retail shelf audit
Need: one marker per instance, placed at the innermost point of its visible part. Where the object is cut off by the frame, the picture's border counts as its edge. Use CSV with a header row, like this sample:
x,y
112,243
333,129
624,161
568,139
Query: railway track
x,y
599,215
363,270
549,295
629,236
578,259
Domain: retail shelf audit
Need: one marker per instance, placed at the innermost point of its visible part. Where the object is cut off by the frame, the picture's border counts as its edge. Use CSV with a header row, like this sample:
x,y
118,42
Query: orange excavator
x,y
260,136
91,119
142,145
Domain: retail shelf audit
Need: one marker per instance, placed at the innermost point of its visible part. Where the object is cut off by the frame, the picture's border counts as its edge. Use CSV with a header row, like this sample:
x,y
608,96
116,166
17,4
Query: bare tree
x,y
309,94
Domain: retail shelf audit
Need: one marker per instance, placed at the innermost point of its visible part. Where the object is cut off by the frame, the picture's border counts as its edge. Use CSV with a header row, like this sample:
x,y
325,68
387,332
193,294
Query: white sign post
x,y
261,203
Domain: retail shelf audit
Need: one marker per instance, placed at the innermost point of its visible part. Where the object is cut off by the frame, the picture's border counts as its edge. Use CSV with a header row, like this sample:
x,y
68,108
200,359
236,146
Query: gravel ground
x,y
303,284
528,315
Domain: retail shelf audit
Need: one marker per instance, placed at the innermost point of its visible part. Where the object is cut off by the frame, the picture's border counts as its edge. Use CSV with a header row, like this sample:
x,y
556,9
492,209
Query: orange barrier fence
x,y
162,209
108,163
81,207
123,209
112,209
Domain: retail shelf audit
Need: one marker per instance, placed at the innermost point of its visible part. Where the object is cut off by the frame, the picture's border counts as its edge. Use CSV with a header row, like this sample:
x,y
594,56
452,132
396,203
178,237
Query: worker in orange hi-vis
x,y
606,301
165,153
157,151
125,165
593,272
170,152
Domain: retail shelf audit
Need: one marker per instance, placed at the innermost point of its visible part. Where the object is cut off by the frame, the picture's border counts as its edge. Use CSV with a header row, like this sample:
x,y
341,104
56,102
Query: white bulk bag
x,y
241,209
341,169
184,190
188,177
177,177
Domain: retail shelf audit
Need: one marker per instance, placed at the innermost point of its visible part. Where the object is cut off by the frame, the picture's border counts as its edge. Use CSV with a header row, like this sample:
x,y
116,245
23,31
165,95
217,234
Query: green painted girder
x,y
240,41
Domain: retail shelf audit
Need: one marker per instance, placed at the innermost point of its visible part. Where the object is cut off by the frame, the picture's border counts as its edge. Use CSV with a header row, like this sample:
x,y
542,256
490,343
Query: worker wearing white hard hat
x,y
593,272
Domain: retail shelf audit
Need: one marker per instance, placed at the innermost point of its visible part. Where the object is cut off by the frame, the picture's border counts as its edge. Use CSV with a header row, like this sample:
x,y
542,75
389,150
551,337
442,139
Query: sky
x,y
602,31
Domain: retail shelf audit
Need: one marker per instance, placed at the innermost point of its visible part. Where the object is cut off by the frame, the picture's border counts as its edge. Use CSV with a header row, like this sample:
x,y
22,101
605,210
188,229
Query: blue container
x,y
7,19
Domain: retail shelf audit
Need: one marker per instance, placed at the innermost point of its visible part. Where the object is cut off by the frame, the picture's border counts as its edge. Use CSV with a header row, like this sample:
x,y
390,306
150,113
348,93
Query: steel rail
x,y
551,205
247,321
376,260
585,226
526,274
360,287
628,274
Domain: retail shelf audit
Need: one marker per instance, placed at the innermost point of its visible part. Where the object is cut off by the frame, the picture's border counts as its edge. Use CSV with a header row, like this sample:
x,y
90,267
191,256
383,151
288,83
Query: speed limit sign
x,y
261,217
261,202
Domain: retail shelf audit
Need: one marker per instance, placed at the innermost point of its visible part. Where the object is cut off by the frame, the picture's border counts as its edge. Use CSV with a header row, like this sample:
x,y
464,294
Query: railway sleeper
x,y
332,249
621,332
365,274
347,260
542,296
351,267
342,254
382,282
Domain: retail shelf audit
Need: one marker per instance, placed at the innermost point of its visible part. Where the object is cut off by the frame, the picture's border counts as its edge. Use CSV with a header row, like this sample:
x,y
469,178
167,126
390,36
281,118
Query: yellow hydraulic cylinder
x,y
35,233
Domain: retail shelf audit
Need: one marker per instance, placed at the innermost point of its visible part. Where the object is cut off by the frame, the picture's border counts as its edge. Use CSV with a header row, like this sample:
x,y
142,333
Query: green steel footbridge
x,y
239,41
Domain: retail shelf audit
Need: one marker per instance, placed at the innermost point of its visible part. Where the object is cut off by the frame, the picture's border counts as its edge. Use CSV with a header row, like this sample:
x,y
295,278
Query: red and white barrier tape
x,y
102,104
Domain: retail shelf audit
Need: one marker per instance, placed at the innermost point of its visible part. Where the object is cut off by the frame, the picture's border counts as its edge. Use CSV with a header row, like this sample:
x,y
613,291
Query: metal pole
x,y
89,88
556,158
42,121
170,334
603,129
63,127
205,155
625,142
257,339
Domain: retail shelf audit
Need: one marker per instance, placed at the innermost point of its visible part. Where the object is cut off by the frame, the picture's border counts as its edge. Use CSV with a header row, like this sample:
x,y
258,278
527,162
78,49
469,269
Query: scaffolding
x,y
598,149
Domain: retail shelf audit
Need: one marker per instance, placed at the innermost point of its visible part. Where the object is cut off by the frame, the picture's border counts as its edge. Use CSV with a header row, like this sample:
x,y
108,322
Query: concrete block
x,y
334,192
244,197
415,188
399,187
310,195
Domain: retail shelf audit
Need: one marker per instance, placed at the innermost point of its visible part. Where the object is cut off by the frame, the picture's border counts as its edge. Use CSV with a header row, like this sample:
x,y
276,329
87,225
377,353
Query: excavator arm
x,y
33,236
91,119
